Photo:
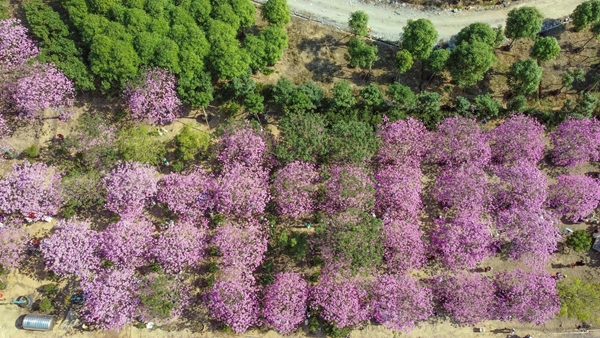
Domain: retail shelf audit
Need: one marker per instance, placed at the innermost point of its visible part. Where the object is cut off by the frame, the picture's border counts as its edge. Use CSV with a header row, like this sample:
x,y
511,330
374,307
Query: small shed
x,y
38,322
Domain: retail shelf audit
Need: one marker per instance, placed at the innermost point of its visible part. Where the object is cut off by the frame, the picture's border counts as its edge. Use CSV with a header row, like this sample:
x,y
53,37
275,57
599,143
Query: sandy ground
x,y
386,21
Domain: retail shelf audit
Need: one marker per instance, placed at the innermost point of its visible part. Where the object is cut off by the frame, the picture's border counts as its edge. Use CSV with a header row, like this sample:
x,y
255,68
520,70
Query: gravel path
x,y
386,21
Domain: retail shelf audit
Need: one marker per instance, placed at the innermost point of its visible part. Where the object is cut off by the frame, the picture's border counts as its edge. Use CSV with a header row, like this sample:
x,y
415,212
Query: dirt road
x,y
386,21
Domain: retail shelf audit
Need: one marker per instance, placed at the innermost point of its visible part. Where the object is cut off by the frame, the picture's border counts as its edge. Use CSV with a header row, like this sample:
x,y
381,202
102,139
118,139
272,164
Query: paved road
x,y
386,21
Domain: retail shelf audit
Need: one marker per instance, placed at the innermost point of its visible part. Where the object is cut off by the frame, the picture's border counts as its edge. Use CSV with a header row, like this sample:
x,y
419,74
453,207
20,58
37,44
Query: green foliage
x,y
438,59
336,332
404,61
217,219
469,62
428,109
461,105
113,61
580,241
304,137
191,142
351,141
245,10
283,92
358,23
478,31
213,267
523,22
46,305
4,9
141,144
545,49
32,151
238,87
402,95
50,290
159,295
585,14
586,106
254,102
360,54
255,47
195,89
580,299
276,40
487,106
499,36
517,104
223,11
571,77
177,166
371,96
418,38
314,92
524,77
276,12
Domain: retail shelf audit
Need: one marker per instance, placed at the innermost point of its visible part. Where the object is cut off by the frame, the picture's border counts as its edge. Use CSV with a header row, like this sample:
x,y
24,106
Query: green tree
x,y
461,105
255,46
438,59
351,142
579,299
585,14
469,62
595,30
524,77
545,49
222,11
237,87
487,106
283,91
343,98
303,137
585,107
254,102
358,23
191,142
428,109
418,38
313,91
113,61
499,36
523,22
276,12
570,77
199,9
477,31
141,144
580,241
360,54
517,104
195,88
276,40
402,95
226,59
404,61
245,10
372,97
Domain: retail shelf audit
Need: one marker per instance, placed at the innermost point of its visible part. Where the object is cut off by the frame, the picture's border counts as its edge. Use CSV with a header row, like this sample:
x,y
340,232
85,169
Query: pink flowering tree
x,y
461,242
519,138
72,248
522,185
13,242
187,195
128,186
402,142
284,302
399,301
403,244
181,245
33,190
468,297
463,189
245,146
398,191
233,300
242,191
154,97
241,245
294,189
348,187
4,128
110,301
575,142
127,242
530,234
574,196
43,87
459,141
529,297
342,301
16,47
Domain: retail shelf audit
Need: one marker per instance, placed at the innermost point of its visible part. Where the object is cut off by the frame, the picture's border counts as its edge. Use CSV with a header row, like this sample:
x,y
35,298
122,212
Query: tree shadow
x,y
324,70
315,46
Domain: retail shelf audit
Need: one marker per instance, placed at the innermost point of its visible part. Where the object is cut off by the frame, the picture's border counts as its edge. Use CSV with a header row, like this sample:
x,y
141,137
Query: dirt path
x,y
386,21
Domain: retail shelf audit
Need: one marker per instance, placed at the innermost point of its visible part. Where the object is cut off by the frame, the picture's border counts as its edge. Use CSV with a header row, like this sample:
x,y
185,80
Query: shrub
x,y
141,144
191,142
580,241
46,305
32,151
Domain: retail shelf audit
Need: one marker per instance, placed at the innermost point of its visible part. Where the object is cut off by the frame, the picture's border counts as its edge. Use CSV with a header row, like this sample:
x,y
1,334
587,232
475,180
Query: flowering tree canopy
x,y
188,195
398,191
576,141
459,141
242,146
529,297
127,242
402,142
348,187
519,138
13,242
72,248
241,245
16,47
574,196
294,189
468,297
110,301
34,190
342,301
403,244
233,300
284,302
128,186
521,185
463,189
242,191
154,98
180,246
400,301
